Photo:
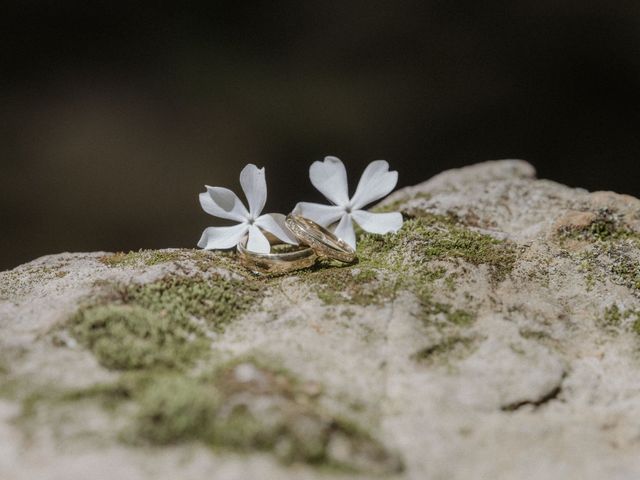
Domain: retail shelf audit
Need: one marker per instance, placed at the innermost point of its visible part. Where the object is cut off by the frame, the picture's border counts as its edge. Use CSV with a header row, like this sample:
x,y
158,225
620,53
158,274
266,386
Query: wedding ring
x,y
275,263
322,241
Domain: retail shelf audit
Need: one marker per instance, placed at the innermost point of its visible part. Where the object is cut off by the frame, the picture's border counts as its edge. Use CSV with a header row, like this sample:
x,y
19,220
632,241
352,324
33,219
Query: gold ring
x,y
275,263
325,243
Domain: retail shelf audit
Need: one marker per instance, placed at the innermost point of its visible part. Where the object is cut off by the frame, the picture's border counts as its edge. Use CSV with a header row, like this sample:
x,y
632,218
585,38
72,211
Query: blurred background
x,y
113,115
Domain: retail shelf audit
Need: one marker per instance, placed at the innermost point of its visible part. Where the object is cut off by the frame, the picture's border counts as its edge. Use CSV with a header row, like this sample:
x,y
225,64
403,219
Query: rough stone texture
x,y
496,336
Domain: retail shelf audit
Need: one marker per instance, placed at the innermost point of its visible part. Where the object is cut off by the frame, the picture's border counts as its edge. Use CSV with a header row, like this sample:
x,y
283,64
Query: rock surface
x,y
497,335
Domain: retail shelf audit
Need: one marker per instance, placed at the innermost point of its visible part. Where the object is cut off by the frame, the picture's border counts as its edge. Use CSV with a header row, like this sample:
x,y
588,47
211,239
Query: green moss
x,y
615,261
128,337
615,319
364,276
12,383
141,257
472,247
162,324
619,261
295,428
456,317
108,394
41,404
427,276
203,259
450,282
216,300
243,405
629,270
590,281
612,316
403,261
606,226
534,335
635,326
460,317
350,285
174,408
434,237
421,284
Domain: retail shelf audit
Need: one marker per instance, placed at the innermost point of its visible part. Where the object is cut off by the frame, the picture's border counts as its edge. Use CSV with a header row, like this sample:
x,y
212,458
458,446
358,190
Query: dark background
x,y
114,114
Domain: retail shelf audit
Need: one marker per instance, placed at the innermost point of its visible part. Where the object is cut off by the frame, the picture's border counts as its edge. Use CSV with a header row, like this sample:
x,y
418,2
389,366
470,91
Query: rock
x,y
497,335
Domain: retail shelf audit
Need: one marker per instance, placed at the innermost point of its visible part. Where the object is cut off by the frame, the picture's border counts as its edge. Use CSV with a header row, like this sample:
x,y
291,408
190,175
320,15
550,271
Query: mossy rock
x,y
129,337
505,308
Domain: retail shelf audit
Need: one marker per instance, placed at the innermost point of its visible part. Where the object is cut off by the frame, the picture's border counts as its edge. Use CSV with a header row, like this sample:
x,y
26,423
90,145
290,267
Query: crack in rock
x,y
549,396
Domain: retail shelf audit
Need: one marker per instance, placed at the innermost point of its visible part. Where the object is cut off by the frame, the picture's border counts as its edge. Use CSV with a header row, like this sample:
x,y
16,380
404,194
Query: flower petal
x,y
257,241
378,222
254,185
330,178
376,182
274,224
323,215
345,231
222,237
223,203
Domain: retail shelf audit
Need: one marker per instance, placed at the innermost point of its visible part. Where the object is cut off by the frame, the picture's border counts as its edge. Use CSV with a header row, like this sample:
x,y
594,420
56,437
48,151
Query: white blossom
x,y
330,178
223,203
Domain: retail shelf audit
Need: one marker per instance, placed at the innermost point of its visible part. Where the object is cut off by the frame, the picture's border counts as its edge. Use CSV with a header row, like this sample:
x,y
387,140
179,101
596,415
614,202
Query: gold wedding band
x,y
275,263
322,241
321,244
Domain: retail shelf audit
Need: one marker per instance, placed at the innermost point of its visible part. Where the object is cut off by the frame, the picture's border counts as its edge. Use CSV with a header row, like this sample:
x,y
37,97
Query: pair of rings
x,y
316,242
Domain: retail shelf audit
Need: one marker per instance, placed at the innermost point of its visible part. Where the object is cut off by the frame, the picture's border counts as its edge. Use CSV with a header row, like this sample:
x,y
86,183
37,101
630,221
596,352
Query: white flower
x,y
330,178
223,203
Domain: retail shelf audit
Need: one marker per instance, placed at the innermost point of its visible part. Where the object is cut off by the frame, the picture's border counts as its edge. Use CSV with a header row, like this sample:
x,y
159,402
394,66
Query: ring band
x,y
322,241
275,262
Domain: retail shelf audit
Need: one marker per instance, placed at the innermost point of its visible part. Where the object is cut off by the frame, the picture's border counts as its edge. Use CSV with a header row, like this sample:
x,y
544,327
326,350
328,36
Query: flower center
x,y
347,209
